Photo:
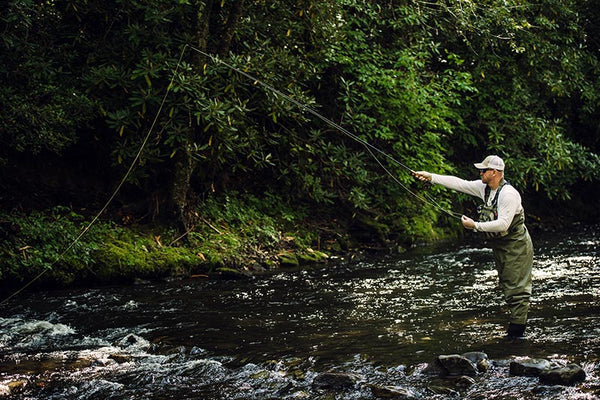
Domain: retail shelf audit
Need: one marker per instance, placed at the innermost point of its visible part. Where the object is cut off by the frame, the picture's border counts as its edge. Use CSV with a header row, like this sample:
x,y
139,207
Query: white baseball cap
x,y
491,162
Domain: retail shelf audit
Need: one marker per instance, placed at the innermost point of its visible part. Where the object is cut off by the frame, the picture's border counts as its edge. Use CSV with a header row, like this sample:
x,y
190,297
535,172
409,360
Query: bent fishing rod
x,y
370,148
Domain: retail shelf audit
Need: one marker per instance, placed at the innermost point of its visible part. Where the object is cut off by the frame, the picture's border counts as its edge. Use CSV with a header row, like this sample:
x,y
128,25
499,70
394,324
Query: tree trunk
x,y
185,164
184,167
235,13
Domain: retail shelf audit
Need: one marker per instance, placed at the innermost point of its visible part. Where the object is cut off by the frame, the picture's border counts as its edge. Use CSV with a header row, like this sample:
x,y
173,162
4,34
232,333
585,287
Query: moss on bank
x,y
234,236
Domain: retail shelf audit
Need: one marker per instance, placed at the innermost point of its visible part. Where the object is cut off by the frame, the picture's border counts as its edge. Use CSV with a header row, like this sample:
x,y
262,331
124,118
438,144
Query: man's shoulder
x,y
509,190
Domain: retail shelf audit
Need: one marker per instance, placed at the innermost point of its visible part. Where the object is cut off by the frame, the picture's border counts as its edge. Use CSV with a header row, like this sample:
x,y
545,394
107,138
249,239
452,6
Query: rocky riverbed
x,y
426,325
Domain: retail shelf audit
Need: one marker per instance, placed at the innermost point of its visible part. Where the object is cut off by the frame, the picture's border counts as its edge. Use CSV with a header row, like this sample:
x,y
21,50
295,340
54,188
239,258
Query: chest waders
x,y
513,255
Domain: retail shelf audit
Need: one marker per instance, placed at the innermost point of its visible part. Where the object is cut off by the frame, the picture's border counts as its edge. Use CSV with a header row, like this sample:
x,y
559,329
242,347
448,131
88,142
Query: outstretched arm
x,y
474,188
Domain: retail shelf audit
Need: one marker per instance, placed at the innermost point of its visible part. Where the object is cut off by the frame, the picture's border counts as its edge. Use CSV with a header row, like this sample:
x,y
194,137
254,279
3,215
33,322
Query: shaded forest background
x,y
436,84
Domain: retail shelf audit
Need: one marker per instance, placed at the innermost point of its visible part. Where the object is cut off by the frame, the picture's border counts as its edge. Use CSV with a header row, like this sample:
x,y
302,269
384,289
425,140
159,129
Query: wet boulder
x,y
133,341
480,360
16,385
10,388
529,366
120,358
567,375
464,381
335,380
443,390
449,385
434,369
392,392
455,364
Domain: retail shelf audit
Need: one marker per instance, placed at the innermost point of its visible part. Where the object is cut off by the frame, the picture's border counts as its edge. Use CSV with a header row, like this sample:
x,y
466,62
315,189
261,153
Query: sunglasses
x,y
483,171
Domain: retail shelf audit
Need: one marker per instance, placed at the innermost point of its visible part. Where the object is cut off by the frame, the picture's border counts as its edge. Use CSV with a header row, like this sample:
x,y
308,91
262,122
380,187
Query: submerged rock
x,y
133,340
392,392
120,358
335,380
529,366
263,374
464,381
435,389
568,375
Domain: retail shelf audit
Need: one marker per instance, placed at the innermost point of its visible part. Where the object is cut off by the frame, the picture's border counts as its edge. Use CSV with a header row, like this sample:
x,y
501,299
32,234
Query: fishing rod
x,y
371,148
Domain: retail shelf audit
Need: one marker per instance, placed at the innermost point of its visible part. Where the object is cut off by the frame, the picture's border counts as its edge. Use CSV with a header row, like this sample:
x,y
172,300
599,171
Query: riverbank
x,y
232,237
120,252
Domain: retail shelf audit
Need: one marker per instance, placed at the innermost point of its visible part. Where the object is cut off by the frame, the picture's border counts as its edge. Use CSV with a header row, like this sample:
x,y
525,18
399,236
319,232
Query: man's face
x,y
486,175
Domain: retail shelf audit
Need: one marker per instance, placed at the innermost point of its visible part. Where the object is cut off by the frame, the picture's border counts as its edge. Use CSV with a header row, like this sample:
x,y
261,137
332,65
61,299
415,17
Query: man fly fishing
x,y
501,217
502,220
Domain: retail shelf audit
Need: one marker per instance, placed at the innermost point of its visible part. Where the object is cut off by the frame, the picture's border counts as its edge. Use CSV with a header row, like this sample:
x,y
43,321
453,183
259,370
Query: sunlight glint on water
x,y
383,318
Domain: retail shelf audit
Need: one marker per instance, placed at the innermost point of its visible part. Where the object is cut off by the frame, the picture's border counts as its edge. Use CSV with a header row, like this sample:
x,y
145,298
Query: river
x,y
382,318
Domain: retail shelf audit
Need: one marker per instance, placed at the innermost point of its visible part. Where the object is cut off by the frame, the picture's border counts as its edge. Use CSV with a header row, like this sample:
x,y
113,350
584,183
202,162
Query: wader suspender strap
x,y
490,212
488,191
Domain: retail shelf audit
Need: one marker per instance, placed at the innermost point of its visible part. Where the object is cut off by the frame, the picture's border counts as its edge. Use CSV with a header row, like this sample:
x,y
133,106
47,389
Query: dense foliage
x,y
237,234
436,84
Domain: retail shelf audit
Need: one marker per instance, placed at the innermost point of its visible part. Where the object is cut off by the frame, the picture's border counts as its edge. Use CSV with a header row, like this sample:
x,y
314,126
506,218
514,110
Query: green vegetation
x,y
237,171
244,235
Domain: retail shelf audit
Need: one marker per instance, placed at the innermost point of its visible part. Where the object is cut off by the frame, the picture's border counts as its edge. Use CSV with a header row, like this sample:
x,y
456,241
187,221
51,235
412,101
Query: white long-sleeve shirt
x,y
509,200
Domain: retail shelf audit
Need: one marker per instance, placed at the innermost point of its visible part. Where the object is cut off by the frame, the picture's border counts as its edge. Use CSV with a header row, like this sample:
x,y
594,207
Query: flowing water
x,y
381,318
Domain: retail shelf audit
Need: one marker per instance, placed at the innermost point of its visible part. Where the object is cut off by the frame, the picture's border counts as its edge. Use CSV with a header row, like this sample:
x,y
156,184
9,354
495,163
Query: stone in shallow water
x,y
568,375
529,366
435,389
335,380
120,358
478,358
392,392
455,364
464,381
